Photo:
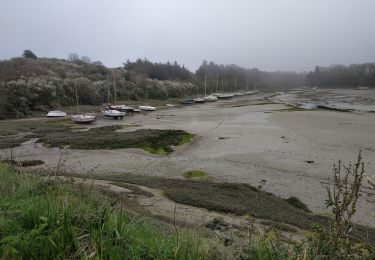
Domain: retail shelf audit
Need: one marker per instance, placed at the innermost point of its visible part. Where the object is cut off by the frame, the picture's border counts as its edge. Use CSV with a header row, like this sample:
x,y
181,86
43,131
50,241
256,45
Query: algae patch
x,y
195,174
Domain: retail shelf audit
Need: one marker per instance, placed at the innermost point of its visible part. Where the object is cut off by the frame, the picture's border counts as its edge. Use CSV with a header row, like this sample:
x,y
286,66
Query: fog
x,y
267,34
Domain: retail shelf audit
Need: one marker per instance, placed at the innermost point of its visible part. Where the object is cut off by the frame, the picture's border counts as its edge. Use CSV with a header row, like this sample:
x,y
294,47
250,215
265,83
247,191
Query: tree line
x,y
355,75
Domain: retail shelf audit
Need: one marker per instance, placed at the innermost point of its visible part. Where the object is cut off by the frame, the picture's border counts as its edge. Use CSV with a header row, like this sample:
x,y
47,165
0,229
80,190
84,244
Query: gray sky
x,y
267,34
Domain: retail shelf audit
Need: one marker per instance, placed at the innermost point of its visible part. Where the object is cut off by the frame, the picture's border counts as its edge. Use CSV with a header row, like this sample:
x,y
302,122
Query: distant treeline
x,y
355,75
29,83
160,71
232,77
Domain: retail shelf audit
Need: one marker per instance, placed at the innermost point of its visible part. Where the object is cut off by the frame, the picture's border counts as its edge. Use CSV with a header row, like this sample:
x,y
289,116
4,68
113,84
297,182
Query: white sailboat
x,y
147,108
199,99
109,111
210,98
56,113
81,118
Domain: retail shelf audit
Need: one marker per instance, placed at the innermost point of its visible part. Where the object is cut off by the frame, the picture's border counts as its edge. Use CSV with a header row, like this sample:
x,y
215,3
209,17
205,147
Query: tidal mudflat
x,y
244,140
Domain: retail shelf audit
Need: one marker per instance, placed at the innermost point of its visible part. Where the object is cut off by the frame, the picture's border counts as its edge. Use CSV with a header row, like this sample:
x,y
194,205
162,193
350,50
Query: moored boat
x,y
111,113
225,96
147,108
122,108
83,118
187,101
211,98
56,113
199,100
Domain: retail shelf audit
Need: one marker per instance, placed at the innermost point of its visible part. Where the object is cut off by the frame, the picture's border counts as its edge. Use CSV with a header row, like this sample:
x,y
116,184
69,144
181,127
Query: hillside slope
x,y
28,85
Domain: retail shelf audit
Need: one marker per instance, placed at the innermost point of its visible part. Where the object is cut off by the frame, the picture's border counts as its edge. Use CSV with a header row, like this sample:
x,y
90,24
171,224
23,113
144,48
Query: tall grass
x,y
41,219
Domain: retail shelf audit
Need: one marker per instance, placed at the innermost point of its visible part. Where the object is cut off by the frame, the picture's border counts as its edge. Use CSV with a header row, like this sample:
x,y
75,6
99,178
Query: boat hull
x,y
147,108
211,98
83,119
56,114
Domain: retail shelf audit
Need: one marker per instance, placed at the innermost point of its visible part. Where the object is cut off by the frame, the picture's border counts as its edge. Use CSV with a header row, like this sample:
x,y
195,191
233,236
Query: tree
x,y
73,57
27,54
86,59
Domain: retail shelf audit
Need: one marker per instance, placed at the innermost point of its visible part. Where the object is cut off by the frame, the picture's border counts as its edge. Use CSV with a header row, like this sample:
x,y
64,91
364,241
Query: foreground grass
x,y
41,219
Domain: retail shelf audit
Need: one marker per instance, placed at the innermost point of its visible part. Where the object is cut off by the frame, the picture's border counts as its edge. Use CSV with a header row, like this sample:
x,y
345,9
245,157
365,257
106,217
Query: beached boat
x,y
81,118
122,108
199,100
238,94
147,108
115,114
187,101
225,96
211,98
56,113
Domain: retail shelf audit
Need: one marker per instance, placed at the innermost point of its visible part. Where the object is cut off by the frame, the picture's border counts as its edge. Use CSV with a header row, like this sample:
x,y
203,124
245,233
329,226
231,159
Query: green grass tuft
x,y
194,174
186,138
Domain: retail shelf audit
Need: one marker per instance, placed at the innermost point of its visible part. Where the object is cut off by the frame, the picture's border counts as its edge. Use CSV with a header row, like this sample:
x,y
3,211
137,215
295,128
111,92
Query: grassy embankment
x,y
237,198
43,219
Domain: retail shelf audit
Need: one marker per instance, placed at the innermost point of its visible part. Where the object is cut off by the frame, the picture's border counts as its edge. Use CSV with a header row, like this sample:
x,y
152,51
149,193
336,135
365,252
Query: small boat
x,y
187,101
225,96
249,92
238,94
122,108
83,118
56,113
170,105
147,108
211,98
111,113
199,100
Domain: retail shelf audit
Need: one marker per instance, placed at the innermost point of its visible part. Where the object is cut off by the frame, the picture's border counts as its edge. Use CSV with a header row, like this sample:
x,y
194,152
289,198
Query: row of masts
x,y
222,84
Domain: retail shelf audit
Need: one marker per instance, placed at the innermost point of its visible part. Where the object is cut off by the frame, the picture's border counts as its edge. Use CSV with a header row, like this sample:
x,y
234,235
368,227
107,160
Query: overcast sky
x,y
267,34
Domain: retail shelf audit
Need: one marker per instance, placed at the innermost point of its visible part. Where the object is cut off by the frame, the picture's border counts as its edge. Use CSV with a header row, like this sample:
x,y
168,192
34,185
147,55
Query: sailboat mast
x,y
197,87
217,81
108,100
114,87
235,84
247,84
222,84
205,86
75,89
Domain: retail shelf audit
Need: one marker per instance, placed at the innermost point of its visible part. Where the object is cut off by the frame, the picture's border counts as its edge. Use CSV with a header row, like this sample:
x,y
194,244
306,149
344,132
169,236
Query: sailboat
x,y
210,98
237,93
225,95
248,92
199,99
109,111
81,118
56,113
